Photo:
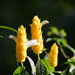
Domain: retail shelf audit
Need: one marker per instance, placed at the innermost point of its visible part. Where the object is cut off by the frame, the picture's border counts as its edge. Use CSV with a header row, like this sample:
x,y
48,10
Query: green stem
x,y
62,51
70,48
46,52
64,54
21,63
38,56
9,28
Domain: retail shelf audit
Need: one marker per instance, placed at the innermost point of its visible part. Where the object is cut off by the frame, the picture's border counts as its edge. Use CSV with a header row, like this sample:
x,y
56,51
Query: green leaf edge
x,y
19,70
1,36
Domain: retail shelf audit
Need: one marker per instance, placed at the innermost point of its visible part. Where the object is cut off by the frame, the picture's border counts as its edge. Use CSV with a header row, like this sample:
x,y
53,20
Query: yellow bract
x,y
37,34
22,43
53,55
20,47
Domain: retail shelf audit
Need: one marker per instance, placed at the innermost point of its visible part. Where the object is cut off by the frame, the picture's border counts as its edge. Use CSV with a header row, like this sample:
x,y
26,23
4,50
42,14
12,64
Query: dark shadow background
x,y
13,13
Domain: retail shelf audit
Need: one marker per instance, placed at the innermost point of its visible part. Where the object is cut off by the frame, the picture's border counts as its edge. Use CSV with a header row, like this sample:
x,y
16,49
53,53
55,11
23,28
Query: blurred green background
x,y
13,13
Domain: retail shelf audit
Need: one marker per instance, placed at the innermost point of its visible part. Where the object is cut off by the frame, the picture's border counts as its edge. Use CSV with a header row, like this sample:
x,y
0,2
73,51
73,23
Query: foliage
x,y
43,66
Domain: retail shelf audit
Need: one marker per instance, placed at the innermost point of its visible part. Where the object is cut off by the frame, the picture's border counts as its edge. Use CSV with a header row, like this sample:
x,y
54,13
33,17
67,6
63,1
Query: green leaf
x,y
63,33
59,72
50,39
1,36
72,65
9,28
56,39
41,69
20,71
64,42
71,61
49,33
55,30
44,49
47,65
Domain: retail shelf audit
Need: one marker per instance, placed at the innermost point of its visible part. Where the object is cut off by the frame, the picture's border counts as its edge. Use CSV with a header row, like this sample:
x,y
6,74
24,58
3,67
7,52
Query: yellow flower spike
x,y
53,55
20,47
20,40
37,34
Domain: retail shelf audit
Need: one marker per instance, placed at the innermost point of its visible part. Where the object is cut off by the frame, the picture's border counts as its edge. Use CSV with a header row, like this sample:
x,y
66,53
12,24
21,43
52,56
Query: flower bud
x,y
53,55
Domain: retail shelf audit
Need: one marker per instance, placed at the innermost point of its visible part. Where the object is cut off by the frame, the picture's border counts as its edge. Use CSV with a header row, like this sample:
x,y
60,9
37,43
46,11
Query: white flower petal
x,y
44,22
18,28
12,37
32,65
32,43
72,67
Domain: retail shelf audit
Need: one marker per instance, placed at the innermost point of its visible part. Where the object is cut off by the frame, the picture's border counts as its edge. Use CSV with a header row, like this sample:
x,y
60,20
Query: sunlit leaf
x,y
20,71
63,33
55,30
9,28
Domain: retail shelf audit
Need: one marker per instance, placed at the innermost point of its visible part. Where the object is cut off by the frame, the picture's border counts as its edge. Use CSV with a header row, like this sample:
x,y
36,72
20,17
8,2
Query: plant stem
x,y
64,54
38,57
9,28
70,48
21,63
46,52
